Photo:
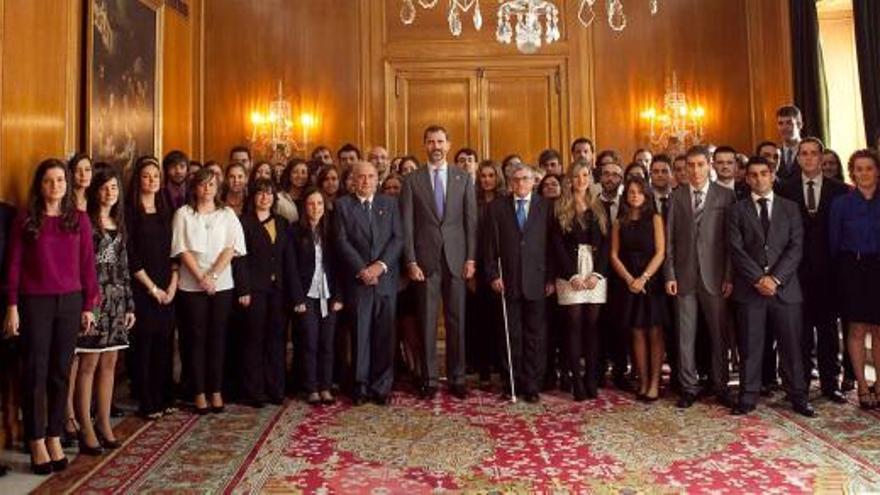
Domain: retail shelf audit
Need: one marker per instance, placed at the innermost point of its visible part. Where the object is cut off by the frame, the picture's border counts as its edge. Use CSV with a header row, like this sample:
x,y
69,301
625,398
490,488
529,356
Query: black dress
x,y
648,309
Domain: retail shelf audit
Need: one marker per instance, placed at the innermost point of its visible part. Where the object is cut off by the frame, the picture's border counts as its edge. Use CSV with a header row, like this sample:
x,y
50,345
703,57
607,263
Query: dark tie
x,y
439,193
607,204
521,213
698,206
811,196
664,206
765,215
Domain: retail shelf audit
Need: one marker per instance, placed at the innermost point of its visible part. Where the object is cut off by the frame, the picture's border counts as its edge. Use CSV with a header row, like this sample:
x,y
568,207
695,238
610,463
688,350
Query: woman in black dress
x,y
637,250
148,222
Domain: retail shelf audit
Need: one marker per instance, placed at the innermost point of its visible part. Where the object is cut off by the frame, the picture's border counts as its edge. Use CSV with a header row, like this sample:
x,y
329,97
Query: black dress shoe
x,y
41,469
804,409
685,401
742,409
358,400
835,396
86,449
459,391
532,398
623,384
60,464
428,392
580,394
4,469
381,400
201,411
217,409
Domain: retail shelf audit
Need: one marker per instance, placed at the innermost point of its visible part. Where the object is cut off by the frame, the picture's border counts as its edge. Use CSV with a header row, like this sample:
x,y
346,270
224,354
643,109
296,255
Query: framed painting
x,y
123,80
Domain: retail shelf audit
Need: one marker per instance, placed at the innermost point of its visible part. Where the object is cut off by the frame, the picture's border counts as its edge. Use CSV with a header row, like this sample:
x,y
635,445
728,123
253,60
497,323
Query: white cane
x,y
507,334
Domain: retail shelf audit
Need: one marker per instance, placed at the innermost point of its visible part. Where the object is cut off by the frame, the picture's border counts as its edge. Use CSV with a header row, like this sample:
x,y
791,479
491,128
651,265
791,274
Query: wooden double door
x,y
496,110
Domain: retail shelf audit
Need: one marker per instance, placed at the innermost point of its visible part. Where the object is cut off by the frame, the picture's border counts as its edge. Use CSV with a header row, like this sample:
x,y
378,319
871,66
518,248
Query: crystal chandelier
x,y
520,20
528,27
676,127
272,132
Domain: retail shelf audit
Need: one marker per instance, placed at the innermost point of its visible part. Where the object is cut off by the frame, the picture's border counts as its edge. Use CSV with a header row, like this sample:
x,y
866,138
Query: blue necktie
x,y
439,193
521,213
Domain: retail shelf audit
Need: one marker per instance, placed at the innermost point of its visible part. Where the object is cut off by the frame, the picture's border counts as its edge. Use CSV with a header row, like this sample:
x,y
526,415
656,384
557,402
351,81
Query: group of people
x,y
704,261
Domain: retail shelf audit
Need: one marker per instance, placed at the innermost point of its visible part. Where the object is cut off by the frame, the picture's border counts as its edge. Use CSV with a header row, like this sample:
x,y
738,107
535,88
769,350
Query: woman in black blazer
x,y
316,297
259,283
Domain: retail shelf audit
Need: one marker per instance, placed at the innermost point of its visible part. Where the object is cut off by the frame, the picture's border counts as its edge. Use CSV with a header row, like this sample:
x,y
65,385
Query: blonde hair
x,y
566,206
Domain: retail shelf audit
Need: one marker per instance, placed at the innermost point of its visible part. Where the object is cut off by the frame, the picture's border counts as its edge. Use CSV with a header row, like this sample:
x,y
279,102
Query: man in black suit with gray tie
x,y
369,238
766,235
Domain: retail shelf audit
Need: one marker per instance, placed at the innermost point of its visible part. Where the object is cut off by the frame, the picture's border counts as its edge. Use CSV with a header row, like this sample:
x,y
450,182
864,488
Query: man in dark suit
x,y
370,240
766,238
439,213
697,271
518,229
813,194
789,123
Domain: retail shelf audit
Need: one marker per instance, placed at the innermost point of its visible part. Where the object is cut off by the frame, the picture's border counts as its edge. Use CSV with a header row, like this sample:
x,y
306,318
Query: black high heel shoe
x,y
59,465
41,469
107,444
86,449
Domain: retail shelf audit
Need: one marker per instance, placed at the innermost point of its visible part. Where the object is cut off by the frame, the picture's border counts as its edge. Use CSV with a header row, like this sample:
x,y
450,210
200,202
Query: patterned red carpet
x,y
612,445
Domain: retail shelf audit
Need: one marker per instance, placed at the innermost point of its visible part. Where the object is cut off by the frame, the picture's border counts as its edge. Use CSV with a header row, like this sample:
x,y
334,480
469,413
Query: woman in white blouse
x,y
205,237
316,296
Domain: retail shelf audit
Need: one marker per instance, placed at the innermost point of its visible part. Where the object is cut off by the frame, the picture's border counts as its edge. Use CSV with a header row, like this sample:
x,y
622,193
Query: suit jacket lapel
x,y
534,205
428,188
362,217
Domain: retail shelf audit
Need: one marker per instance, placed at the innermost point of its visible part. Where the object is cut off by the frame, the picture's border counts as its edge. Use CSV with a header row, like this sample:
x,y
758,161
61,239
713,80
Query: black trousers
x,y
614,340
821,334
754,319
263,346
204,321
49,327
526,323
318,339
152,351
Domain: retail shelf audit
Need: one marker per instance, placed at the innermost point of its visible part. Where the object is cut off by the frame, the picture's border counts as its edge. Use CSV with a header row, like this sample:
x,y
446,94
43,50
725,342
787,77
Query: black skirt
x,y
858,284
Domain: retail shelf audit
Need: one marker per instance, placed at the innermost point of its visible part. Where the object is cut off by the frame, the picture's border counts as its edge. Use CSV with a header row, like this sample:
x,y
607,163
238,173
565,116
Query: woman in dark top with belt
x,y
154,286
260,278
638,246
854,229
315,293
52,288
581,261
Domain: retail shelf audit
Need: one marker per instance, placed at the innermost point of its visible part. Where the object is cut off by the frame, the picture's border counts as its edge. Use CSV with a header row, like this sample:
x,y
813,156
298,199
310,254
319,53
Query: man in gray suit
x,y
697,270
766,237
439,211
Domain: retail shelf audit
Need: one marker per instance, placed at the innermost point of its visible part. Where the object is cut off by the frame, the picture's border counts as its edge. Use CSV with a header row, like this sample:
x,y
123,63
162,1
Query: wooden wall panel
x,y
522,110
710,57
39,81
312,46
179,56
770,64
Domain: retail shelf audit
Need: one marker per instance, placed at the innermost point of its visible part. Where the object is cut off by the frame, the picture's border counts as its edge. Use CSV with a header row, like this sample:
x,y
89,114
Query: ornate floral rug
x,y
482,445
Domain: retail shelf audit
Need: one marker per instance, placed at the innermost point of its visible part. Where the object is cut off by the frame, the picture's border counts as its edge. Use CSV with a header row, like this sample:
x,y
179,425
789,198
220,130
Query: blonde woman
x,y
579,239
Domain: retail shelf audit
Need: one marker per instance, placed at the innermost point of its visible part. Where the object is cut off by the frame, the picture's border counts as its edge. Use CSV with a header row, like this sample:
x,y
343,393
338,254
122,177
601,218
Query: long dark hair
x,y
103,174
36,203
321,232
135,206
646,210
285,183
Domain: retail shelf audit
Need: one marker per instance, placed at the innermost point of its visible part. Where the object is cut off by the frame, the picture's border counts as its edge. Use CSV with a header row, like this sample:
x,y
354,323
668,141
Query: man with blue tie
x,y
370,240
439,211
518,227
